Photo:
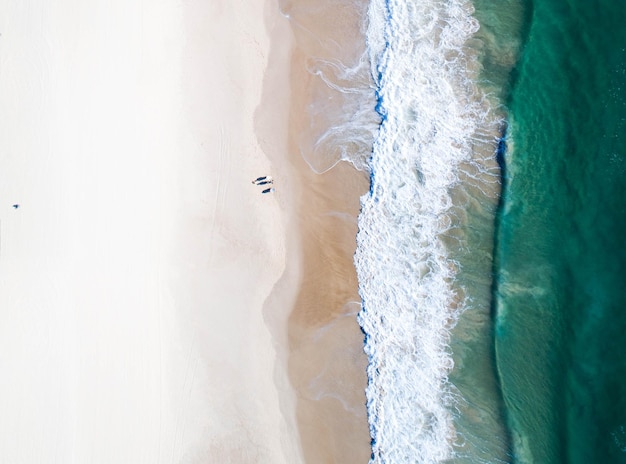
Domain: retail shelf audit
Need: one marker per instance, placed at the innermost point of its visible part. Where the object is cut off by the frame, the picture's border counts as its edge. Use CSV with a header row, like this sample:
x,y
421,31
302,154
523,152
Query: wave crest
x,y
433,115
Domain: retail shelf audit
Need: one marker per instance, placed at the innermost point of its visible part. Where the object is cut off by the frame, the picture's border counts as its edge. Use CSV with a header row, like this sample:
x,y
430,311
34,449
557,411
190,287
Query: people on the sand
x,y
264,180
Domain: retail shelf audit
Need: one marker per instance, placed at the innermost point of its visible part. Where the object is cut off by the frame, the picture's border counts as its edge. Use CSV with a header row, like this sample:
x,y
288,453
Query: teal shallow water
x,y
480,422
561,238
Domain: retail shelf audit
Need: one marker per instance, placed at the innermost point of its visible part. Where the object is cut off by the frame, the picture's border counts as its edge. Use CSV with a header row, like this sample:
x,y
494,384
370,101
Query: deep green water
x,y
560,290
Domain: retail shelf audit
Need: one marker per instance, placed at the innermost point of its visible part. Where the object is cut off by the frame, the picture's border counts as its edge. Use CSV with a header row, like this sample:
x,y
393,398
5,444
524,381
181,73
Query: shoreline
x,y
326,363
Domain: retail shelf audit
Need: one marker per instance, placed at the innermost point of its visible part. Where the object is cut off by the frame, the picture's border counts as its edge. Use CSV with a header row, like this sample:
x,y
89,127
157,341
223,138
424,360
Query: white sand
x,y
134,274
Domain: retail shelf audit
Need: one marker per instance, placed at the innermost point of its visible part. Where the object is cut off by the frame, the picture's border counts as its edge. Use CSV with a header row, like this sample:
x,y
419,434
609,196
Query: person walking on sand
x,y
262,180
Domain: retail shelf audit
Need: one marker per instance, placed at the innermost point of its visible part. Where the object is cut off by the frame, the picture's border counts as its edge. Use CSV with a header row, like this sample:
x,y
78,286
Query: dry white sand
x,y
133,275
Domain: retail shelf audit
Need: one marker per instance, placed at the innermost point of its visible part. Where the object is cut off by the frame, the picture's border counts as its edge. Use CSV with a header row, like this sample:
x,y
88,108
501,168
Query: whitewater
x,y
434,121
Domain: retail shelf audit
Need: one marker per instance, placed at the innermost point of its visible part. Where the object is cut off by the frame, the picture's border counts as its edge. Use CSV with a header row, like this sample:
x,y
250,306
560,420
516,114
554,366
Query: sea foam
x,y
432,114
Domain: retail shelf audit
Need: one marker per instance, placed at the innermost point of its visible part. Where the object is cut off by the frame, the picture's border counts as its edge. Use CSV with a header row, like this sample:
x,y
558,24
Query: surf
x,y
434,153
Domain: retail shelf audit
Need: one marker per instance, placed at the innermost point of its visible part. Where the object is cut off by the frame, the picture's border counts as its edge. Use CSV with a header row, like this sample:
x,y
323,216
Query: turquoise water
x,y
495,313
481,421
560,298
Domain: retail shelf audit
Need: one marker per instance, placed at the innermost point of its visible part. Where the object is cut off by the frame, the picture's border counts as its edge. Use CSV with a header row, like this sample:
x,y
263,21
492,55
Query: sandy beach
x,y
326,363
157,307
134,274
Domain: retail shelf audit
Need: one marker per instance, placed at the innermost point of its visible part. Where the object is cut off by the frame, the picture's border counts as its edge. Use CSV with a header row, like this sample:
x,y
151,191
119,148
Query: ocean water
x,y
561,249
425,241
490,253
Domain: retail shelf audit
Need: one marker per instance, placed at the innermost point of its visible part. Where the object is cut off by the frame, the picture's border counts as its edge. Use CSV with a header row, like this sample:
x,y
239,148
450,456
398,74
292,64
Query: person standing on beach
x,y
259,180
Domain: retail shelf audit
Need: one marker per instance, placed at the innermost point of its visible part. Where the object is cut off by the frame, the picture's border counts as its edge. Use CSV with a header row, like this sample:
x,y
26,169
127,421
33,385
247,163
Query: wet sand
x,y
326,362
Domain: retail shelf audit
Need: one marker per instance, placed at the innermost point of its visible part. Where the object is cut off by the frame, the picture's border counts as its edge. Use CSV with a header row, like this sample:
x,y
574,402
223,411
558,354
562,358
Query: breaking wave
x,y
433,115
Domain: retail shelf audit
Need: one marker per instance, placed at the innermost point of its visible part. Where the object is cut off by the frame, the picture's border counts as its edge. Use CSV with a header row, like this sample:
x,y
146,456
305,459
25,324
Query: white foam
x,y
343,122
432,114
